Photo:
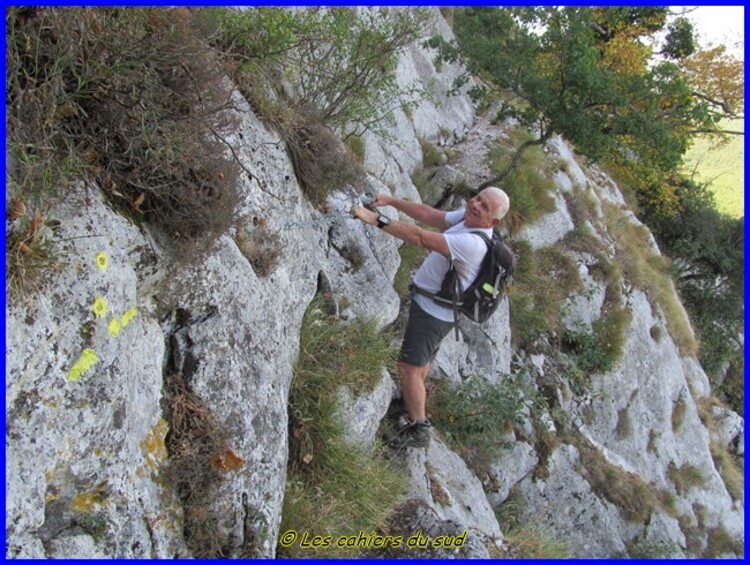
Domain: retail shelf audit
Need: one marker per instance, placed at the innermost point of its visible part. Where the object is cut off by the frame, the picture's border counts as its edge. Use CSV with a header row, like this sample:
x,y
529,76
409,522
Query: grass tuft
x,y
636,498
29,251
334,488
411,257
529,186
684,478
431,155
679,408
473,416
524,540
649,271
543,280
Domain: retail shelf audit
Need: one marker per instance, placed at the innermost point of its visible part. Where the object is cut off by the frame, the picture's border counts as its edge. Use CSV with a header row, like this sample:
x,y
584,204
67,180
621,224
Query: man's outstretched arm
x,y
410,233
420,212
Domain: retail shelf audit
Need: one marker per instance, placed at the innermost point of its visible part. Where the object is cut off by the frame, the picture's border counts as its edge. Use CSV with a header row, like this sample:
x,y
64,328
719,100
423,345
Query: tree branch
x,y
723,105
515,159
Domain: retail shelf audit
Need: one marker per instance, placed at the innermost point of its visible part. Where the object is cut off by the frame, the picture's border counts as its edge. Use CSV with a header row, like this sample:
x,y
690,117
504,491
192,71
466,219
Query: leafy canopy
x,y
586,74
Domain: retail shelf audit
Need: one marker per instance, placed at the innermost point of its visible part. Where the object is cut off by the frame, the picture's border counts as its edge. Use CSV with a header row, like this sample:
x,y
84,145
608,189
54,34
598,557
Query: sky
x,y
719,25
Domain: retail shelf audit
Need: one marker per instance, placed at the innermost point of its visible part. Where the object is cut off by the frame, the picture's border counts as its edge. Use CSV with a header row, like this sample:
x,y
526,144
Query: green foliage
x,y
334,488
708,253
356,493
680,41
599,349
542,281
528,186
94,524
431,155
342,60
583,73
612,21
421,180
475,415
588,357
335,354
356,145
130,99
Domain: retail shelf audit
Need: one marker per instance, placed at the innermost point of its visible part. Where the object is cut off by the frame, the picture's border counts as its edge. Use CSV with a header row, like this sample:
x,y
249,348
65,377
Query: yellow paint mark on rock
x,y
85,501
100,306
102,261
129,315
153,447
87,360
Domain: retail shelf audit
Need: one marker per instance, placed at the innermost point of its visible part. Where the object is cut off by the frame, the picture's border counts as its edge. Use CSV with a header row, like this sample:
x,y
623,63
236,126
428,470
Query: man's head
x,y
487,208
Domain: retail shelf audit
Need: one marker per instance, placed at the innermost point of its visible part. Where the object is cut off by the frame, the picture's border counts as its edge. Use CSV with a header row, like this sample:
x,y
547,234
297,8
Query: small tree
x,y
340,61
582,73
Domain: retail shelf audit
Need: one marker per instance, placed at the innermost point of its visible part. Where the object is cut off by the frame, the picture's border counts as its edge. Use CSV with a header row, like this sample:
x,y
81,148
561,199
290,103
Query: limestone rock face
x,y
552,229
482,349
565,502
84,427
446,498
362,415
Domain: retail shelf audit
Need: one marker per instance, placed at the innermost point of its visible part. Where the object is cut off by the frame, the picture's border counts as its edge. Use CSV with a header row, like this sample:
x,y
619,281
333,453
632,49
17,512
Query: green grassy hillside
x,y
723,168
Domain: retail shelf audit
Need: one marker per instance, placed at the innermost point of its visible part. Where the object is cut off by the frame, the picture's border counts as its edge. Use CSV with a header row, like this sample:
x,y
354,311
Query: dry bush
x,y
29,253
261,248
194,439
309,73
130,98
321,161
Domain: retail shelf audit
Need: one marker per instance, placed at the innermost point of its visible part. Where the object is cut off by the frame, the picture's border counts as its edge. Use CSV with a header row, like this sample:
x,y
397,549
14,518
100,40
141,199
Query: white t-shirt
x,y
467,251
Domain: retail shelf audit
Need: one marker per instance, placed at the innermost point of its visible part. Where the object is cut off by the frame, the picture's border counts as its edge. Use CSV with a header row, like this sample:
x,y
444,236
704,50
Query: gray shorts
x,y
422,337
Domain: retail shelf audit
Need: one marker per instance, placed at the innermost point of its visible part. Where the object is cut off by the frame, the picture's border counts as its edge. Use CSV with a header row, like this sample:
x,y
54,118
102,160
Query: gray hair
x,y
502,209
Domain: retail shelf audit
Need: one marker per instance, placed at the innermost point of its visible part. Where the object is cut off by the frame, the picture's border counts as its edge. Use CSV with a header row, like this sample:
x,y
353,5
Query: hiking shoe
x,y
411,434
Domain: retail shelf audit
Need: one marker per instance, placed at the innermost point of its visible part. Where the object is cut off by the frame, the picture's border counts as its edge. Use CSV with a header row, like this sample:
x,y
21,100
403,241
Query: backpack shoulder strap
x,y
484,236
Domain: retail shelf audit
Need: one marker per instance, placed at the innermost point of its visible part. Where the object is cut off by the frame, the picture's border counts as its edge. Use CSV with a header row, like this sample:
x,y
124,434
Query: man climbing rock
x,y
429,322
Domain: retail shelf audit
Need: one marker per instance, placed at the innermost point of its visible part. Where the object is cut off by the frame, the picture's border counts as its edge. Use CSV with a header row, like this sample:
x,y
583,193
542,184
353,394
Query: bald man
x,y
429,321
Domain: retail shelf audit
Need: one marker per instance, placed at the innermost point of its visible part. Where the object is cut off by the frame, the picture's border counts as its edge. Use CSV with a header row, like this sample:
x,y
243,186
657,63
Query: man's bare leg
x,y
413,389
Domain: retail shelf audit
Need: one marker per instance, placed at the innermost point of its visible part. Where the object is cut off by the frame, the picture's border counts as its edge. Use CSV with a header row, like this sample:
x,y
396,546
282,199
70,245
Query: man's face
x,y
479,210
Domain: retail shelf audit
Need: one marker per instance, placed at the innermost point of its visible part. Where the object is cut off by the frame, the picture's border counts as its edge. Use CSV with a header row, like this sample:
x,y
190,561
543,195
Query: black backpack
x,y
480,300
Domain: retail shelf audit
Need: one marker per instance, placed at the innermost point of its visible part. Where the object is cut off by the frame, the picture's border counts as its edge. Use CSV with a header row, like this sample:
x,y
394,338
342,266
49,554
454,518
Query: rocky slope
x,y
90,368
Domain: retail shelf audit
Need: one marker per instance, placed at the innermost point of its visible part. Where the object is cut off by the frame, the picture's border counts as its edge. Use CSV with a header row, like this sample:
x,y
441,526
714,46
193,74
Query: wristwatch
x,y
383,221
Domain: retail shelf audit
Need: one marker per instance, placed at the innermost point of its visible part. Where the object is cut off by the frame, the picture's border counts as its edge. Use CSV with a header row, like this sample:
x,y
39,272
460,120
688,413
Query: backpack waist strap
x,y
414,289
